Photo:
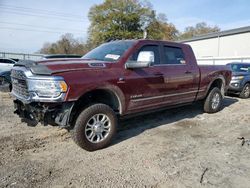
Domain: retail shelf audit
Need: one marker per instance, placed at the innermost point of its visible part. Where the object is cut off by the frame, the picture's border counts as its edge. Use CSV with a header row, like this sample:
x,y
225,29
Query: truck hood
x,y
49,67
240,74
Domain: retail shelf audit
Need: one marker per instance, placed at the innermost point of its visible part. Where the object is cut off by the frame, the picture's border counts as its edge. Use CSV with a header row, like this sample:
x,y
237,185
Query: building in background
x,y
222,47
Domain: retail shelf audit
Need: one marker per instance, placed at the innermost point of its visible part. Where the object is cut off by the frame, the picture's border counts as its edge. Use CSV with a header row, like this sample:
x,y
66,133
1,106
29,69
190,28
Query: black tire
x,y
209,105
79,135
245,93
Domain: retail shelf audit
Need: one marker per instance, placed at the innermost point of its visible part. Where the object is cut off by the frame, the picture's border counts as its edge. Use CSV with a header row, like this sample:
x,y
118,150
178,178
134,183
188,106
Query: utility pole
x,y
145,33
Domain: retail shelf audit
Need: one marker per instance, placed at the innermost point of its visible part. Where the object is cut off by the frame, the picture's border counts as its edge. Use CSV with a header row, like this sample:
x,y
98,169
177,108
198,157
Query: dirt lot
x,y
174,148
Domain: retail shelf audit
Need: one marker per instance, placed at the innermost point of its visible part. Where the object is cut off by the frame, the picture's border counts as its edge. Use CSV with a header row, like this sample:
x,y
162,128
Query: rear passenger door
x,y
181,83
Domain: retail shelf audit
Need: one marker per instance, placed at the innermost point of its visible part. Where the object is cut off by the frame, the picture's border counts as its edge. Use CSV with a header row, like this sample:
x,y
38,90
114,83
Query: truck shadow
x,y
132,127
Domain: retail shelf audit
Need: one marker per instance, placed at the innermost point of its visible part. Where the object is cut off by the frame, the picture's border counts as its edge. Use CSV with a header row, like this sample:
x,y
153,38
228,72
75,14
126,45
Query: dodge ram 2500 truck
x,y
117,79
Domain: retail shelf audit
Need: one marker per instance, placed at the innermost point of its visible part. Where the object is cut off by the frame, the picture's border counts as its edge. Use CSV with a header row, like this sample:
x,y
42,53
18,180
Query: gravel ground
x,y
183,147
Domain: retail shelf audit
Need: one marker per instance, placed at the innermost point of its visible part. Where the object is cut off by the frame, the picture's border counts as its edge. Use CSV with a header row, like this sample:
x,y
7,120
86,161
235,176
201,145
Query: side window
x,y
173,55
3,61
8,61
148,51
11,62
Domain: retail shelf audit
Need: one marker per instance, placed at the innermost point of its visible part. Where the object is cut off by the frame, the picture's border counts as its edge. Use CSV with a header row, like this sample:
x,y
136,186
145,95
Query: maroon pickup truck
x,y
117,79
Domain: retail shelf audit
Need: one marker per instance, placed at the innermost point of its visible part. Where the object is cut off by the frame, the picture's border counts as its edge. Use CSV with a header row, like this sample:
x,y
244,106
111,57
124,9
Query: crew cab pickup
x,y
115,80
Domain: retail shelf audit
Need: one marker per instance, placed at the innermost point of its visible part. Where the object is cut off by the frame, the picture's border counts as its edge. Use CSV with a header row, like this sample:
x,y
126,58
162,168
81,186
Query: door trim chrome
x,y
163,96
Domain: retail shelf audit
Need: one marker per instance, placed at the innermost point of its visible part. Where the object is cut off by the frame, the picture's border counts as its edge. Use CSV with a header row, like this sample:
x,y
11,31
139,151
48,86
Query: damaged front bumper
x,y
46,113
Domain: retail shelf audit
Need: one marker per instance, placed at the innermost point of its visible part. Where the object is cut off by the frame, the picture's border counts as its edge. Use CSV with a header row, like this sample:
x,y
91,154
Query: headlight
x,y
47,88
237,77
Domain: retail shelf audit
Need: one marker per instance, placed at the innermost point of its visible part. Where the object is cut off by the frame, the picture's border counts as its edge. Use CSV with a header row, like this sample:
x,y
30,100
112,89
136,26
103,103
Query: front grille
x,y
19,85
18,74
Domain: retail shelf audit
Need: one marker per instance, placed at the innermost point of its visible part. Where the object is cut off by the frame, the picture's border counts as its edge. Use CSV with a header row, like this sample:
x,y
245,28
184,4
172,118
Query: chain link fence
x,y
22,56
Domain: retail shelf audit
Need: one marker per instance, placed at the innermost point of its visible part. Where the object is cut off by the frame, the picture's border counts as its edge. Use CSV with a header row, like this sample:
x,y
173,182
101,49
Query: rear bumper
x,y
47,114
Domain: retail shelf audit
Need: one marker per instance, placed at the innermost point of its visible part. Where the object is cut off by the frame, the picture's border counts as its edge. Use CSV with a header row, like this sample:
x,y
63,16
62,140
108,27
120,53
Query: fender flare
x,y
220,77
112,89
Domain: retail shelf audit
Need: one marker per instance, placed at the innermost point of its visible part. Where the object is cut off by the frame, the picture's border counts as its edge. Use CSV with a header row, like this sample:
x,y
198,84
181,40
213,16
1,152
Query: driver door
x,y
143,85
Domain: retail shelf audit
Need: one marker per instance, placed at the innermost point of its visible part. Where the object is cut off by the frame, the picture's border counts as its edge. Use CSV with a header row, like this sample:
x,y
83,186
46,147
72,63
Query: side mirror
x,y
144,59
146,56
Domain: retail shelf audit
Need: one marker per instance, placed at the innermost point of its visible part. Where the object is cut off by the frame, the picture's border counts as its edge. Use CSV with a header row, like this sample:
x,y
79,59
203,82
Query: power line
x,y
43,27
41,13
33,30
41,16
40,10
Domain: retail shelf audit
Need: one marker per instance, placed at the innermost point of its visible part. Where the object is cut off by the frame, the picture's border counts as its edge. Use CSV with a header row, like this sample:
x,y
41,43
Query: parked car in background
x,y
115,80
240,83
5,67
6,64
54,56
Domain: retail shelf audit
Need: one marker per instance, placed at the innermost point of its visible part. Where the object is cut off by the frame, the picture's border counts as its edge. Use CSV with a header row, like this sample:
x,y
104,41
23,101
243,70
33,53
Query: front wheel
x,y
245,93
95,127
213,102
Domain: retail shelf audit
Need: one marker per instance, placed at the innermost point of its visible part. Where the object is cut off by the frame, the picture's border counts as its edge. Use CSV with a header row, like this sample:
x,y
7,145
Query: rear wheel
x,y
213,102
95,127
245,93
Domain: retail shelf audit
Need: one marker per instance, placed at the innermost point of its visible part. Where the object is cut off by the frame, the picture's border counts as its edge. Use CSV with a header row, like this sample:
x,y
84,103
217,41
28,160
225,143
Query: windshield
x,y
111,51
240,67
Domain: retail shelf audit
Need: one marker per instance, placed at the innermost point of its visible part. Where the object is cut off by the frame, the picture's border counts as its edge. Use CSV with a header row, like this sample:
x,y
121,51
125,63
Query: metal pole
x,y
218,47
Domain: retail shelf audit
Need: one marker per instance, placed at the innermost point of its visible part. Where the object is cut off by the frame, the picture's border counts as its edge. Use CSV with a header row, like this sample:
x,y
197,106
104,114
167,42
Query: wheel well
x,y
216,83
96,96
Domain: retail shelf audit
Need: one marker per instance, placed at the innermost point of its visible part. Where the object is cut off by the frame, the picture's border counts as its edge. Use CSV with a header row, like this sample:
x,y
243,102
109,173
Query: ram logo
x,y
135,96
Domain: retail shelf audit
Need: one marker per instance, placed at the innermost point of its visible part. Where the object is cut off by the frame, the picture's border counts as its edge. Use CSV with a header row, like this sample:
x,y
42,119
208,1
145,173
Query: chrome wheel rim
x,y
215,101
98,128
247,91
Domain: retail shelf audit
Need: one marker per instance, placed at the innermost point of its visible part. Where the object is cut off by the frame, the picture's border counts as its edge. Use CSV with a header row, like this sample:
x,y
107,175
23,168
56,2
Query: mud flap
x,y
62,117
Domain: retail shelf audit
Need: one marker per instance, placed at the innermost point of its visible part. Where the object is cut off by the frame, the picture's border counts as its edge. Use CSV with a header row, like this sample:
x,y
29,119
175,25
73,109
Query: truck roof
x,y
150,40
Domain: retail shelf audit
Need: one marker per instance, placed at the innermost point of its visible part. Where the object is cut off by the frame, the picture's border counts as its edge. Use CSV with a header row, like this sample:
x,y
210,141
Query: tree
x,y
198,29
123,19
160,29
66,45
126,19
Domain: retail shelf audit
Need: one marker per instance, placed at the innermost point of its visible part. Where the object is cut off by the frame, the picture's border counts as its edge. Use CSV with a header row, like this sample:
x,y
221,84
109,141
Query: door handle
x,y
188,72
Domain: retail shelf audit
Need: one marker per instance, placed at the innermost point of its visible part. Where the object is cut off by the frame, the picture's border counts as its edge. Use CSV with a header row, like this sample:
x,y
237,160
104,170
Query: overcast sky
x,y
26,24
